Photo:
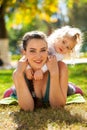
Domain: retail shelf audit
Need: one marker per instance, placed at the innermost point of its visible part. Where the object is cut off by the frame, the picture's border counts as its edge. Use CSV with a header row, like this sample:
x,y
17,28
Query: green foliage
x,y
76,16
70,3
15,34
28,10
84,47
22,12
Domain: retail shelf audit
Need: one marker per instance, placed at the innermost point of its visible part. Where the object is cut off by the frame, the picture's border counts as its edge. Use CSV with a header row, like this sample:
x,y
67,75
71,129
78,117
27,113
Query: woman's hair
x,y
68,31
32,35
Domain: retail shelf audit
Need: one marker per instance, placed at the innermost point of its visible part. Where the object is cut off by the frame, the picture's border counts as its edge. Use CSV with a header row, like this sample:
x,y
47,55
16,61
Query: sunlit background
x,y
20,16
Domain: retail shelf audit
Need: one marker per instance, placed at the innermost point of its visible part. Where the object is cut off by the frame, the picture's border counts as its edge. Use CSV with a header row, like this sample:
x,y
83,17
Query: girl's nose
x,y
63,47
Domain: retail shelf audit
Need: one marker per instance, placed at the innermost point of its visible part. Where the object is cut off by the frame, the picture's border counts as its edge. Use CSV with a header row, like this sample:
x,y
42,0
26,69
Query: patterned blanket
x,y
75,98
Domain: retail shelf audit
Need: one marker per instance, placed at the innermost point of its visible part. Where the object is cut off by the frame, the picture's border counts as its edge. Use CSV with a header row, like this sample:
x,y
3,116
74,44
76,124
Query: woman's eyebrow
x,y
32,49
44,48
40,48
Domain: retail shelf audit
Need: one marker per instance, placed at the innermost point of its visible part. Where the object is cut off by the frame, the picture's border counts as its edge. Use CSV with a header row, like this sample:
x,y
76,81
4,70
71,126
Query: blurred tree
x,y
77,13
15,34
78,17
21,12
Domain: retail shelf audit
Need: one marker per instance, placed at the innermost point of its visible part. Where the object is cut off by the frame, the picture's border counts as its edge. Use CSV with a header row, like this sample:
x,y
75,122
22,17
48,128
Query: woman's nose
x,y
39,55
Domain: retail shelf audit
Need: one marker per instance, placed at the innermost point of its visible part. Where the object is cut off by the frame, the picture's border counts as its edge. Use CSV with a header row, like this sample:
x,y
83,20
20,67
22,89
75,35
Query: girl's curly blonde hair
x,y
72,32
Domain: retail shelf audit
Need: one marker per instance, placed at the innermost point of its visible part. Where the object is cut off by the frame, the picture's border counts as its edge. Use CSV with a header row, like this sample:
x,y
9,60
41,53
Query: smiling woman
x,y
44,89
36,53
35,86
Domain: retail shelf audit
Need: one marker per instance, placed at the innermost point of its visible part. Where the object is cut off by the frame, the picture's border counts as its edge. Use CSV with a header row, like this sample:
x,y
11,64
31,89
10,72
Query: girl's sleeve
x,y
44,68
59,57
28,67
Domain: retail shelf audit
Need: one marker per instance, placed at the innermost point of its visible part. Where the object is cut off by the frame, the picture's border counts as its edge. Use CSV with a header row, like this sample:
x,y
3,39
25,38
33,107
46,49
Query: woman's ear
x,y
23,52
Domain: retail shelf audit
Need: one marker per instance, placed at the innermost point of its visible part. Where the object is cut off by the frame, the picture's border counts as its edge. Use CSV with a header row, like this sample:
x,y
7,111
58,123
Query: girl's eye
x,y
67,47
63,42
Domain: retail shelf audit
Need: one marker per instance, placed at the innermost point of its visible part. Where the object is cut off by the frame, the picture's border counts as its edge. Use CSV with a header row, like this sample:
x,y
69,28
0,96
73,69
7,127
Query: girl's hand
x,y
38,75
22,64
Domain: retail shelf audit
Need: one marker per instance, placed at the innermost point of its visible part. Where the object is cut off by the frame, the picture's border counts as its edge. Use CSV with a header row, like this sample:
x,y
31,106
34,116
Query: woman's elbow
x,y
26,107
57,104
62,103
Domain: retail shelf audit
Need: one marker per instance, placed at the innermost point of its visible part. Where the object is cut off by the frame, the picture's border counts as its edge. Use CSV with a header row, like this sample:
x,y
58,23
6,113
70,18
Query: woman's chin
x,y
38,68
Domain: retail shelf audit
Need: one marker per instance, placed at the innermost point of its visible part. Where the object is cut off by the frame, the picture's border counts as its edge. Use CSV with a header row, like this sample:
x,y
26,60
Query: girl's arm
x,y
58,87
25,99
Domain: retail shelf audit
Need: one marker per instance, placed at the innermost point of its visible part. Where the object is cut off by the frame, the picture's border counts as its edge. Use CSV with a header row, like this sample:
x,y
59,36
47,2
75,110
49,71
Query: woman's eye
x,y
43,50
32,51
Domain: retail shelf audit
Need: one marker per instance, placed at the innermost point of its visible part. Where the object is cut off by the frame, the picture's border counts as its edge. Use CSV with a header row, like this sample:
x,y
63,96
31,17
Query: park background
x,y
20,16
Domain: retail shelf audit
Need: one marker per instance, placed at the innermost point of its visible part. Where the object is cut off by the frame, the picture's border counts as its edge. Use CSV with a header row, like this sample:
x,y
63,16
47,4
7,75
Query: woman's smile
x,y
37,53
38,61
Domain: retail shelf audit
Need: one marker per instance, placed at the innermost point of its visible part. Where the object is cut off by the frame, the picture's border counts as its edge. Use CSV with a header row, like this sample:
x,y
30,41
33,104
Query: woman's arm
x,y
58,85
25,99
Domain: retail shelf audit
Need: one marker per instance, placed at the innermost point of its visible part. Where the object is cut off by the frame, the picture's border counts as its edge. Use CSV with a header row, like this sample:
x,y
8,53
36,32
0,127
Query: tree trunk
x,y
4,53
4,43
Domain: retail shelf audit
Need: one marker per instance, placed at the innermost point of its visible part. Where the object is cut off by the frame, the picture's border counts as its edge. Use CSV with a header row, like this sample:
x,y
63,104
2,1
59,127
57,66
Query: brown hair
x,y
31,35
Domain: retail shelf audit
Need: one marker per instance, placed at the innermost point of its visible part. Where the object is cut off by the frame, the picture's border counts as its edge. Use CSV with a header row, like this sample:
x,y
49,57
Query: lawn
x,y
71,117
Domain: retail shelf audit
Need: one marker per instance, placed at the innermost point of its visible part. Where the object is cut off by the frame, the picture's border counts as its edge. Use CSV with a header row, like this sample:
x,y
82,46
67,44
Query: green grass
x,y
83,55
5,80
78,75
71,117
15,57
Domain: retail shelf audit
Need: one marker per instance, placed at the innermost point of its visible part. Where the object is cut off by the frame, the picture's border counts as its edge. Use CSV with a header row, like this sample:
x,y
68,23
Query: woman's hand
x,y
52,64
22,64
29,73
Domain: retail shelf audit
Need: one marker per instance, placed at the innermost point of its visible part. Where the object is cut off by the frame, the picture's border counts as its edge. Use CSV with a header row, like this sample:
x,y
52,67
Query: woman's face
x,y
64,45
36,53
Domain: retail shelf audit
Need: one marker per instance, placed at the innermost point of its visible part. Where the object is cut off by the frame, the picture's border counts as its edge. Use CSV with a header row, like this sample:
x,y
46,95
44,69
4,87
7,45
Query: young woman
x,y
32,85
52,87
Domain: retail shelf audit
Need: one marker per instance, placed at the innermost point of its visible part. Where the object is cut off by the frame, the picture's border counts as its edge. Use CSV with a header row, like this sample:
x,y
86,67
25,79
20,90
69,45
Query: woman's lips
x,y
38,62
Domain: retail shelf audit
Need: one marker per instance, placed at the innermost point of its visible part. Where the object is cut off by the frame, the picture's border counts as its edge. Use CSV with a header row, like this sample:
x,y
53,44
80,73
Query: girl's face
x,y
36,53
64,45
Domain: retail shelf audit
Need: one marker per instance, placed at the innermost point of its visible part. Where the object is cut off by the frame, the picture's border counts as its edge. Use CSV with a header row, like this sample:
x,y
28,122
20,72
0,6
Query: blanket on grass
x,y
75,98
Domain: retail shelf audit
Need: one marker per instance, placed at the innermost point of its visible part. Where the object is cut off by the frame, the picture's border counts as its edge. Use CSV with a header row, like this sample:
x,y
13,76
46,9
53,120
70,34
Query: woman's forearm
x,y
56,96
25,99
